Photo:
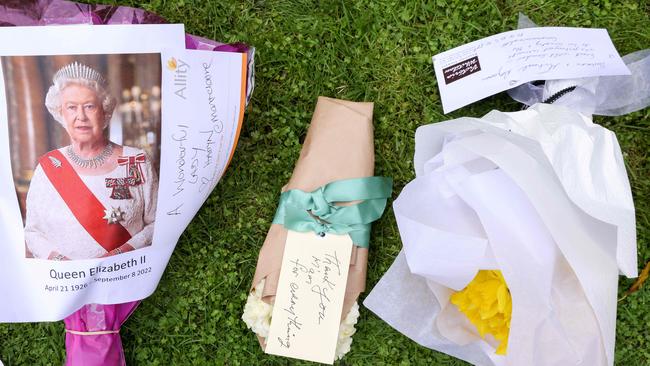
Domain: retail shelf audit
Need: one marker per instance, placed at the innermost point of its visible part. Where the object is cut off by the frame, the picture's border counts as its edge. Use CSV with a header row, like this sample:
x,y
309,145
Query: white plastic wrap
x,y
605,95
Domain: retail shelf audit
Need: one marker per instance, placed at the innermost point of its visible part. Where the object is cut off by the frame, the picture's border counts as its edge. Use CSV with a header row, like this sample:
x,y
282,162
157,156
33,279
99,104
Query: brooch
x,y
120,187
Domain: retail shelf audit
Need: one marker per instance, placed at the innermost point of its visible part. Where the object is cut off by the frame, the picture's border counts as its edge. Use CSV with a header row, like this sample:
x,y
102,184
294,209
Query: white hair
x,y
78,74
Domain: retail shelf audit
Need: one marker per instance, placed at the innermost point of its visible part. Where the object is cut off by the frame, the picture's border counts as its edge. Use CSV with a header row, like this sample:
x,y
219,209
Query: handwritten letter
x,y
308,304
491,65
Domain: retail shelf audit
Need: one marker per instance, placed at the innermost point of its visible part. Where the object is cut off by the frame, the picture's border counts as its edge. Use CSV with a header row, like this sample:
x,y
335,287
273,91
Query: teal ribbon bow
x,y
317,211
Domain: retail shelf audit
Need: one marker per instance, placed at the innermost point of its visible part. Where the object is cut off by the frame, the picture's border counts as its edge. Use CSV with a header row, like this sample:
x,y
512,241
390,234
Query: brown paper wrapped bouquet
x,y
339,146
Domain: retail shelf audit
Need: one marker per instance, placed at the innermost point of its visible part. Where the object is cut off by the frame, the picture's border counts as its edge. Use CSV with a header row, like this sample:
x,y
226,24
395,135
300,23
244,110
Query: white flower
x,y
346,331
257,316
257,313
342,347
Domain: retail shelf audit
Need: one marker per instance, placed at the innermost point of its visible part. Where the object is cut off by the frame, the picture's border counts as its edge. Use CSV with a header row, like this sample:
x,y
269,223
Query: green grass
x,y
352,49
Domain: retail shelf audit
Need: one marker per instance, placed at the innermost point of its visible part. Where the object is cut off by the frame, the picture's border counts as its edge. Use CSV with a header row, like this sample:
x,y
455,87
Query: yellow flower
x,y
487,303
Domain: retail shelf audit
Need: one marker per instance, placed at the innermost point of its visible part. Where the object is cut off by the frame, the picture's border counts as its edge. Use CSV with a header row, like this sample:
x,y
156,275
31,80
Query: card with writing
x,y
309,300
482,68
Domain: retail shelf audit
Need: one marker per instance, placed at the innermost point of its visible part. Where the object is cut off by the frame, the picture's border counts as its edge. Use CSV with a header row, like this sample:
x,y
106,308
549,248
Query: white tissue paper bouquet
x,y
516,227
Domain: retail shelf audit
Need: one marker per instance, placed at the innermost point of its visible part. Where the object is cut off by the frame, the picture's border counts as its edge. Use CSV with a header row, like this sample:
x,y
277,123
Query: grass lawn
x,y
360,50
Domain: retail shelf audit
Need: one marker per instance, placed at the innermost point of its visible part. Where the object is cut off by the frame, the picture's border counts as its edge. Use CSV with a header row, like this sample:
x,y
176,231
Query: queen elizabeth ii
x,y
92,198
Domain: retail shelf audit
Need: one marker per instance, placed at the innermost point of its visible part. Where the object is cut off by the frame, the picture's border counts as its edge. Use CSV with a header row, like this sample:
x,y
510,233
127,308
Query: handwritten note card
x,y
308,304
491,65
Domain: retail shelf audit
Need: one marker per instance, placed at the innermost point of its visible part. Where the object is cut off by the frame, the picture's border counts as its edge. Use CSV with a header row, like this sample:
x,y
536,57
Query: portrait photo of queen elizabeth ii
x,y
85,143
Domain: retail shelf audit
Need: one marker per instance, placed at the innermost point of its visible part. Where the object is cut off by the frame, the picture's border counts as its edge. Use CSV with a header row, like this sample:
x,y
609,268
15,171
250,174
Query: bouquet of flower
x,y
338,149
516,227
509,243
92,332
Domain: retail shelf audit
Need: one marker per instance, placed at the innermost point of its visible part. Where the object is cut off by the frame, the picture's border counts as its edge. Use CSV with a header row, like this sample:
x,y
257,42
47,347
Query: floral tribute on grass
x,y
332,190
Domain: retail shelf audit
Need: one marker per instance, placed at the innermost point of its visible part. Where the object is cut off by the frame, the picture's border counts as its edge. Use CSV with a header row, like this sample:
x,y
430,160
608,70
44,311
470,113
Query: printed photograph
x,y
84,134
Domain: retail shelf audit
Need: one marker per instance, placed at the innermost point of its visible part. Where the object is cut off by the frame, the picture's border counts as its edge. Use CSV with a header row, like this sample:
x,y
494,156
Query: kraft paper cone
x,y
339,145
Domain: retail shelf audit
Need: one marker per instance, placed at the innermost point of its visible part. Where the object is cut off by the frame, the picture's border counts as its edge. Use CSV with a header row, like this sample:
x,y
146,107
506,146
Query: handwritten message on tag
x,y
308,304
491,65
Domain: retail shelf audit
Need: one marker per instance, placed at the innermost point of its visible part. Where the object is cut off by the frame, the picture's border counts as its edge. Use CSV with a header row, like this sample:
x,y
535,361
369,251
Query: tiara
x,y
76,70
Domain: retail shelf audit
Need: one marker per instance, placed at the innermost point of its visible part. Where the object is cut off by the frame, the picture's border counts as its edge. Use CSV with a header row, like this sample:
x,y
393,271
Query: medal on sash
x,y
114,215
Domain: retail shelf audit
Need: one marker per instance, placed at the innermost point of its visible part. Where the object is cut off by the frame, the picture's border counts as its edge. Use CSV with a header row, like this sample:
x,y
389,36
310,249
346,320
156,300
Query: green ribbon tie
x,y
317,211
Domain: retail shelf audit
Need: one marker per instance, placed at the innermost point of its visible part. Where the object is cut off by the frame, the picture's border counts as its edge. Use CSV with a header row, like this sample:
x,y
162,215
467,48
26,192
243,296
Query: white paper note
x,y
307,311
491,65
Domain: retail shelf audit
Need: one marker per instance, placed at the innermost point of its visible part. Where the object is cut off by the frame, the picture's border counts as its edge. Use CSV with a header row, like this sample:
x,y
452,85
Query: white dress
x,y
51,227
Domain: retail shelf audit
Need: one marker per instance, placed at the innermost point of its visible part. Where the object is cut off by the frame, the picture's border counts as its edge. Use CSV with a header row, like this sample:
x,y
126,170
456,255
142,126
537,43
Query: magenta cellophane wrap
x,y
92,332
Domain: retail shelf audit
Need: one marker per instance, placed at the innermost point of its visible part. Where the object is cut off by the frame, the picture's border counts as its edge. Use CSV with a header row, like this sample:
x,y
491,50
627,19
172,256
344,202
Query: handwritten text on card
x,y
309,300
491,65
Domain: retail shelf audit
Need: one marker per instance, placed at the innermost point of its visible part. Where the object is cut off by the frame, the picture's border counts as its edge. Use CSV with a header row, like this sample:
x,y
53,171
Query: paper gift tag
x,y
309,300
